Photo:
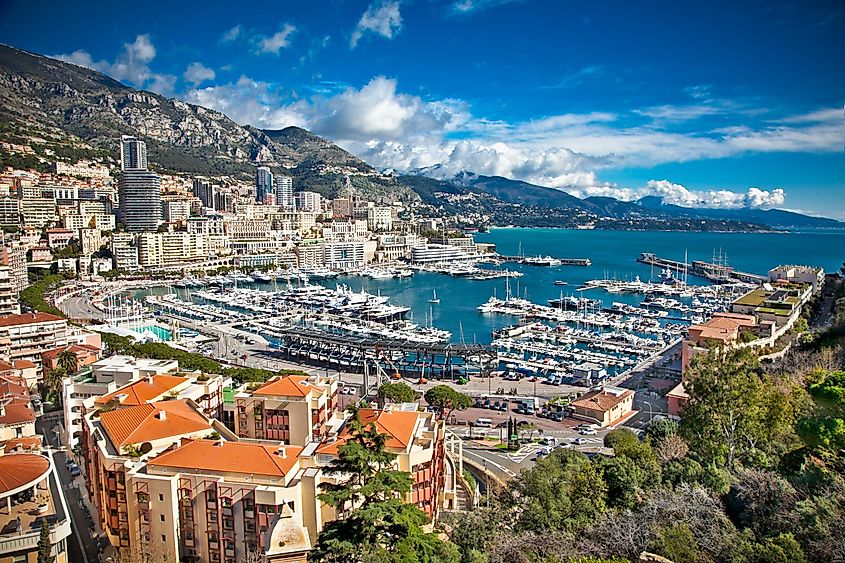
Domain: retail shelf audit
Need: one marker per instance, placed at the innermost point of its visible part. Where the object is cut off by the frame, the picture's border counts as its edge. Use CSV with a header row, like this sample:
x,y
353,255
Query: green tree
x,y
68,361
374,522
564,491
446,400
45,547
396,393
52,383
734,412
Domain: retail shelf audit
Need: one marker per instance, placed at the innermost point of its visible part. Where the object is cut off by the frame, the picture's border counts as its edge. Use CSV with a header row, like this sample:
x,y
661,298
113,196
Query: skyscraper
x,y
133,153
284,192
139,189
263,183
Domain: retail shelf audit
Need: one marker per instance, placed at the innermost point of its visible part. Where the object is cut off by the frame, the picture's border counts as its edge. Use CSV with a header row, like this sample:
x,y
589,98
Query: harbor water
x,y
613,255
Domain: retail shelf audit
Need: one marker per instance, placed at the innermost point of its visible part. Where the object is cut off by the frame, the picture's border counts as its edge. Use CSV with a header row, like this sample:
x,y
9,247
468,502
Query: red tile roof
x,y
601,400
231,457
144,423
19,470
23,364
142,391
397,425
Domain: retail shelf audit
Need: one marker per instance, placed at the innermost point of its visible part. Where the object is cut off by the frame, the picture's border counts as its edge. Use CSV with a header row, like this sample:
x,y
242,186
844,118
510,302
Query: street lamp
x,y
650,412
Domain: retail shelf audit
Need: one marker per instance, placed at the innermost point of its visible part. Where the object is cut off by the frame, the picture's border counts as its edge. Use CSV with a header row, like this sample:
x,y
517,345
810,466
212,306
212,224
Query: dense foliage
x,y
34,298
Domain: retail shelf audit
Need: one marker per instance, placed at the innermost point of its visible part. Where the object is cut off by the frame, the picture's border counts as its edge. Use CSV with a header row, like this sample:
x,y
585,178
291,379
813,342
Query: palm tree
x,y
53,382
68,361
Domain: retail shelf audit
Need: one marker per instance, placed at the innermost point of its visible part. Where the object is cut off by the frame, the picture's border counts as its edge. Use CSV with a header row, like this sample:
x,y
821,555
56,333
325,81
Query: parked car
x,y
579,441
588,432
549,441
495,406
504,406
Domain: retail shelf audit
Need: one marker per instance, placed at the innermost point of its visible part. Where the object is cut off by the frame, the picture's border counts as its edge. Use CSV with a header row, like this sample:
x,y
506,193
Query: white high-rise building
x,y
139,189
284,192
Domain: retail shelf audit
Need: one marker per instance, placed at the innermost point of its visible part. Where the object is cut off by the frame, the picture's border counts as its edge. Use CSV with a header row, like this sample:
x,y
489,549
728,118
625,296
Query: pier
x,y
715,272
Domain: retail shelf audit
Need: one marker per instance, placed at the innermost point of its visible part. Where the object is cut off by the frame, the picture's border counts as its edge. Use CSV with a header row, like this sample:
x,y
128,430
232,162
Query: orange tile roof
x,y
398,425
23,364
18,470
6,366
143,423
25,443
28,318
142,391
288,386
231,457
601,400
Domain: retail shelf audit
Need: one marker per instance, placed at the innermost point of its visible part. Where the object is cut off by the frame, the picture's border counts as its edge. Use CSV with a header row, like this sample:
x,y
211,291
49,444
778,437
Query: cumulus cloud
x,y
276,42
396,130
231,35
197,73
381,18
131,65
677,194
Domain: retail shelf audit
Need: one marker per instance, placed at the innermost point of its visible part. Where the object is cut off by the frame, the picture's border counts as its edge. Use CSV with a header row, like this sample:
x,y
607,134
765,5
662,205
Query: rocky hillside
x,y
41,94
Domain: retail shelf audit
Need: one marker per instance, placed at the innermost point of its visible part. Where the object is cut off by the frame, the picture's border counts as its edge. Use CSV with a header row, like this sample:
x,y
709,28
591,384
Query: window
x,y
161,498
163,538
162,517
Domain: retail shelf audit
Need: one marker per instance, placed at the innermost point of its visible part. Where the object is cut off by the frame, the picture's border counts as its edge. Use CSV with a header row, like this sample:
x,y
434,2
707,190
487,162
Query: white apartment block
x,y
83,169
77,221
309,201
125,251
163,249
380,218
248,229
176,210
344,254
208,225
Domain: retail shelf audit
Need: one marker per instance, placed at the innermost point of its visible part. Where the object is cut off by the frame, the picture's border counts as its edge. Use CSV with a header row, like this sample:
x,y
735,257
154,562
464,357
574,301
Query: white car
x,y
579,441
588,432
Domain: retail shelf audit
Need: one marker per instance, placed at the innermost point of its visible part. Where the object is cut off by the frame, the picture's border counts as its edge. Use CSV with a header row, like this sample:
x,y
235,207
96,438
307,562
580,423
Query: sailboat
x,y
434,298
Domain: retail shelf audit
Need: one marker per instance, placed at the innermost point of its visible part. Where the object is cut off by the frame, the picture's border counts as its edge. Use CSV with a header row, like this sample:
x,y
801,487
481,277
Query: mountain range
x,y
77,112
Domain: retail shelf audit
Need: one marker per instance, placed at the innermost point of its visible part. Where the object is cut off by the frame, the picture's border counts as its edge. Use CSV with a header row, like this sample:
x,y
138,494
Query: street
x,y
81,547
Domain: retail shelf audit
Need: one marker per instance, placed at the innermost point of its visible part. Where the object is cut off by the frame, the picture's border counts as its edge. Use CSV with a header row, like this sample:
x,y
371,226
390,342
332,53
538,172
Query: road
x,y
81,547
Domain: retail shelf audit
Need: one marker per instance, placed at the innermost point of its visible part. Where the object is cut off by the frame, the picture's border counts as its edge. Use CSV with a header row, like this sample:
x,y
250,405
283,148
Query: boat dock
x,y
715,272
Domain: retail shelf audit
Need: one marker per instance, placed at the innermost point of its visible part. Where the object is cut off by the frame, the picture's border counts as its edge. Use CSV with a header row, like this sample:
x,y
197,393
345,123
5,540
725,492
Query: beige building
x,y
604,406
293,409
25,336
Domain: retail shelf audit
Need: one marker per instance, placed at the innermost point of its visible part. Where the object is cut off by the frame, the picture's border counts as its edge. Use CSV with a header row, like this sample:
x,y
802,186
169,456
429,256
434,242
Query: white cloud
x,y
677,194
197,73
468,6
131,65
231,35
392,129
382,18
277,41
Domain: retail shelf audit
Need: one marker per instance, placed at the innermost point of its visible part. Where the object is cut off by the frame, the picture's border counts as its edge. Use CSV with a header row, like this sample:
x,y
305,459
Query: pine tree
x,y
373,520
45,546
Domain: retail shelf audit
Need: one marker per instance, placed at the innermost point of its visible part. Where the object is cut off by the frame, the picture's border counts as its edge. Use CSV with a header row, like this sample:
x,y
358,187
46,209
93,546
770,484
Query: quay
x,y
714,272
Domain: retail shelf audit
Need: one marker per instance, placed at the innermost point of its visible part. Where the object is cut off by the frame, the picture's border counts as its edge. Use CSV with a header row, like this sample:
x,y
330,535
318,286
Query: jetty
x,y
545,260
716,271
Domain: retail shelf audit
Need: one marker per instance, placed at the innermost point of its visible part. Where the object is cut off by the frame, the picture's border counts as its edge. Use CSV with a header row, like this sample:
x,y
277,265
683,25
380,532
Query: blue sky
x,y
719,104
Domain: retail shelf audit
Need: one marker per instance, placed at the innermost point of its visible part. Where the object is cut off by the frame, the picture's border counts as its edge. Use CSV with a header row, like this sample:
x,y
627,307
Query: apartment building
x,y
814,276
9,304
25,336
379,218
59,238
17,416
101,221
292,409
83,169
344,255
124,250
415,436
102,378
162,249
309,201
9,212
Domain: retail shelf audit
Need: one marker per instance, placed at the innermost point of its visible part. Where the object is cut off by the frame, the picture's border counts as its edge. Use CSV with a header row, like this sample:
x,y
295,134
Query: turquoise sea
x,y
613,254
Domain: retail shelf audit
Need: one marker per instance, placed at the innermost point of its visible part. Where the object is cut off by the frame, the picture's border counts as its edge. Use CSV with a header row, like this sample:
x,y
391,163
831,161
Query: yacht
x,y
561,282
434,298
